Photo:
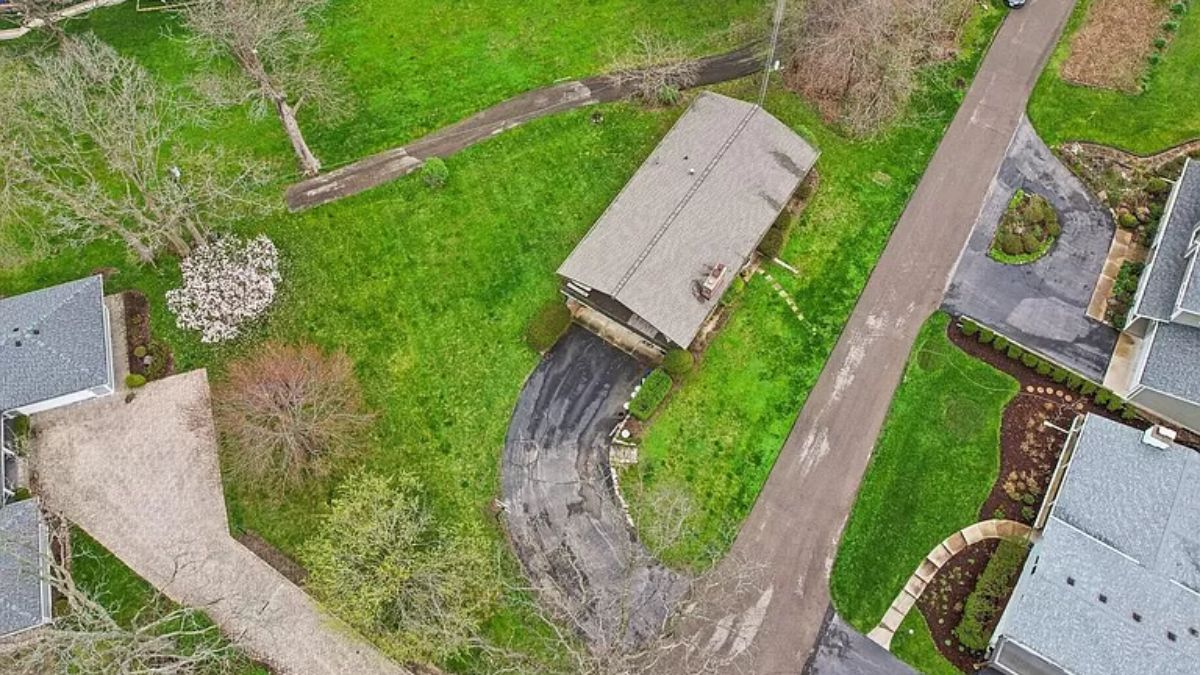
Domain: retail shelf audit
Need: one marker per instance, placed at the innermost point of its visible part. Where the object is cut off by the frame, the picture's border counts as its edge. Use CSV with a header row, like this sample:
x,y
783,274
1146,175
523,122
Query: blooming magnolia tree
x,y
225,284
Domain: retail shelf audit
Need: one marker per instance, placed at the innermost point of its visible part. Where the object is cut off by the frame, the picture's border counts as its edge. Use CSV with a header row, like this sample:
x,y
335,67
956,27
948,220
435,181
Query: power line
x,y
766,80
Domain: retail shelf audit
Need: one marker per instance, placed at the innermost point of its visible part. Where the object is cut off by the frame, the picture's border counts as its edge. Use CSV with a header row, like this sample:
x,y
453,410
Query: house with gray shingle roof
x,y
1112,584
24,568
665,250
1164,322
55,349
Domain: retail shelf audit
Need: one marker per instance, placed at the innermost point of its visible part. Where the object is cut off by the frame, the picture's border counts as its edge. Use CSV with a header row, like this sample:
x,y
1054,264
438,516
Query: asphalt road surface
x,y
794,527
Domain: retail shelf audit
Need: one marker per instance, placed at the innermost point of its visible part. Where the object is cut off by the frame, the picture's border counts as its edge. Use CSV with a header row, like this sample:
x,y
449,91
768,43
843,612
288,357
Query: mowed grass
x,y
917,648
932,468
721,433
1163,115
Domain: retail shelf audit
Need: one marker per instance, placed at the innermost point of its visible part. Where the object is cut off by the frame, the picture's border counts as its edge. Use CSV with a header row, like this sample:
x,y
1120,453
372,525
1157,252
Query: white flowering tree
x,y
226,284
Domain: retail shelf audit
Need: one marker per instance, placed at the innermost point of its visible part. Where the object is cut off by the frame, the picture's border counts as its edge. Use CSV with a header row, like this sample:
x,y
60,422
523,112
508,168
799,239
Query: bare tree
x,y
288,411
88,145
85,637
655,71
271,43
860,60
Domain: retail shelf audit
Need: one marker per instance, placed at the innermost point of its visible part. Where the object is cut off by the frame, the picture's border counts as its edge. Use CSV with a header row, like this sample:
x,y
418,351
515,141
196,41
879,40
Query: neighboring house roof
x,y
24,591
1172,358
1164,276
706,195
1116,572
53,342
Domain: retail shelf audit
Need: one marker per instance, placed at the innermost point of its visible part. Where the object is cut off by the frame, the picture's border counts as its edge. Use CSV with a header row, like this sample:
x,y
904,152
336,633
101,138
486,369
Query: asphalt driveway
x,y
1042,305
563,516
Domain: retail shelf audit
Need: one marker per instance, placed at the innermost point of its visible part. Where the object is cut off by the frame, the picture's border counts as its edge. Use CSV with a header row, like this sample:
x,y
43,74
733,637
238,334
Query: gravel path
x,y
563,517
142,479
401,161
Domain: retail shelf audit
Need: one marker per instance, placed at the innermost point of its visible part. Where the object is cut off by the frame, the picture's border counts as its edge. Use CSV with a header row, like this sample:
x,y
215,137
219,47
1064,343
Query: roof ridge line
x,y
73,294
687,197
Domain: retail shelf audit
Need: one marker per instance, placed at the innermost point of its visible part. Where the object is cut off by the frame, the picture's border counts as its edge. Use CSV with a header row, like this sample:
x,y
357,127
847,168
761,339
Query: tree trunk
x,y
309,164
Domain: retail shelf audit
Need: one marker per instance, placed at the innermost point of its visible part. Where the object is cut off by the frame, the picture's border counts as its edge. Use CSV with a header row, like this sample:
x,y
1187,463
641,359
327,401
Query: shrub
x,y
287,413
139,351
969,327
162,362
1030,243
386,565
654,390
435,173
1029,360
986,335
1127,220
1115,404
773,241
1015,352
982,608
1053,229
1160,43
669,95
1088,388
134,380
1044,368
1103,396
1074,381
1171,26
1028,514
225,285
20,426
550,322
734,291
1011,244
1059,375
678,363
1155,58
1130,413
1157,186
1000,344
1179,8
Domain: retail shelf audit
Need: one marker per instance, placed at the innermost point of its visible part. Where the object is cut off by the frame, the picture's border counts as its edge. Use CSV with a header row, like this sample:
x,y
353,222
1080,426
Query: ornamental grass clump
x,y
226,284
288,413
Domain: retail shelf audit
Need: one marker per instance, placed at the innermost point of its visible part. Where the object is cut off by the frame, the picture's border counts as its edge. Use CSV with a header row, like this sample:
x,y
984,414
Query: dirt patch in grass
x,y
944,599
284,564
1112,50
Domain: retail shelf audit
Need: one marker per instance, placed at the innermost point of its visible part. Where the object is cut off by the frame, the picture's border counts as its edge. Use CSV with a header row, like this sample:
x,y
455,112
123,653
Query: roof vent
x,y
1159,437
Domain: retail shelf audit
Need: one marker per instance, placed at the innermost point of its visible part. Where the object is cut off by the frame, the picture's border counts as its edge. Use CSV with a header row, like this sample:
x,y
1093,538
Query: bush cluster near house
x,y
1124,289
1026,231
654,391
985,604
1136,189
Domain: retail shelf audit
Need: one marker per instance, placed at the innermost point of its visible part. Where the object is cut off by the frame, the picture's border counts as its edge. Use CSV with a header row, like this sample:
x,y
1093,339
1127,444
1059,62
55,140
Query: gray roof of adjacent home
x,y
1123,539
53,342
706,195
1164,277
1173,361
24,593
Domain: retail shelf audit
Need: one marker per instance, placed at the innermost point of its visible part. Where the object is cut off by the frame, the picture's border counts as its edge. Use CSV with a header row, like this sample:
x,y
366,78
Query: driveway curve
x,y
564,519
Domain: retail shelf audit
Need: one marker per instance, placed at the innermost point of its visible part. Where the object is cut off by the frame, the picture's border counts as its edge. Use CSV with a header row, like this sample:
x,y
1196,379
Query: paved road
x,y
141,477
795,525
1042,305
563,517
396,162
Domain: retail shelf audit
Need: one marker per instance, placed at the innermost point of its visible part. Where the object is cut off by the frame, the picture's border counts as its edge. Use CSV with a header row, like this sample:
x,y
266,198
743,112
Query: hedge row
x,y
995,584
1102,397
654,390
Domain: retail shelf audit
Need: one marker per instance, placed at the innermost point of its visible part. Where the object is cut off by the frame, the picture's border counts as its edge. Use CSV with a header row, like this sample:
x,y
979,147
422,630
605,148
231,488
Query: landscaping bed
x,y
1113,48
945,598
1027,230
149,358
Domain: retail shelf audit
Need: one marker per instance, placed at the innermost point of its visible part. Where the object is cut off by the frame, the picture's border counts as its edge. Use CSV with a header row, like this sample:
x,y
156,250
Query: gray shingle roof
x,y
24,597
706,195
53,342
1126,525
1165,276
1171,364
1189,296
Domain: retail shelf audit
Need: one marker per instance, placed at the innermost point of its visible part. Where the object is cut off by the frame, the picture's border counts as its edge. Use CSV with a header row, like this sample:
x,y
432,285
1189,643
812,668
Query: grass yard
x,y
719,436
932,468
1163,115
123,593
913,644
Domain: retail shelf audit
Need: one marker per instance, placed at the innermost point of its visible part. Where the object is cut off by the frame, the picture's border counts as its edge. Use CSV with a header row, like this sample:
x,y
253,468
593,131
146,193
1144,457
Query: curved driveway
x,y
569,531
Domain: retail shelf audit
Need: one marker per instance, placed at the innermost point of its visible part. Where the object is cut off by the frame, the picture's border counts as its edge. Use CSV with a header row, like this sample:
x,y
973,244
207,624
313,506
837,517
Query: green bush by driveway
x,y
1163,115
934,464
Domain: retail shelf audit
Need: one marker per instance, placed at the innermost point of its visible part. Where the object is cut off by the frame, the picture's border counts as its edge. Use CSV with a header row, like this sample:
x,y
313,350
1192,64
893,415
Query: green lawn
x,y
916,648
1165,114
932,468
721,433
123,593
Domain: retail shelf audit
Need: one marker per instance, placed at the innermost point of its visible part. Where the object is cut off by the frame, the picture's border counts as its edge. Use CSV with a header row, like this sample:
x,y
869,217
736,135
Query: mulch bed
x,y
1029,452
158,361
1112,48
943,601
292,570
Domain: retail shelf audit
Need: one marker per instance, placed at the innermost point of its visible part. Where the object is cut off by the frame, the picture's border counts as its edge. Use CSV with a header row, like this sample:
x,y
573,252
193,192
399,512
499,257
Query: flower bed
x,y
149,358
1026,231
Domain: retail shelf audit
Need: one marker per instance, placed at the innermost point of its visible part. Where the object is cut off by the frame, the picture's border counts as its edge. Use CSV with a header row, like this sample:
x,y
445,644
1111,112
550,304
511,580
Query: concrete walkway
x,y
392,164
932,564
795,525
141,477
